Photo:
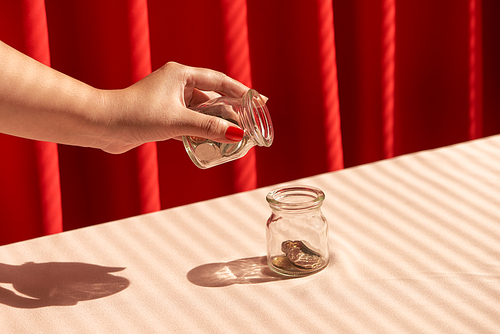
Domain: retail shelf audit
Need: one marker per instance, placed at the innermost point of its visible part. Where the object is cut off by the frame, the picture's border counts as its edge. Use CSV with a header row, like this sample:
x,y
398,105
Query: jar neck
x,y
296,199
256,120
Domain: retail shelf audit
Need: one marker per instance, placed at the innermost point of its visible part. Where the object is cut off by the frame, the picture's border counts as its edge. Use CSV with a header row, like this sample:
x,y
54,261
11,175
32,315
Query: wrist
x,y
111,121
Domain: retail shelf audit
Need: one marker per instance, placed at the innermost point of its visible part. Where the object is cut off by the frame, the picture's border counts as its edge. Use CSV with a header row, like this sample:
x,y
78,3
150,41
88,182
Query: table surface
x,y
414,244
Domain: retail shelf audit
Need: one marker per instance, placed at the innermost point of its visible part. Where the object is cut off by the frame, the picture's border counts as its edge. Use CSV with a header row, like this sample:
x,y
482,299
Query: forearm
x,y
38,102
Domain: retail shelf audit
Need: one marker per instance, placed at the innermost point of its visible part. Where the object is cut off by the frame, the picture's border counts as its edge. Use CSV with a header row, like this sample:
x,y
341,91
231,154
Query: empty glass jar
x,y
297,231
249,113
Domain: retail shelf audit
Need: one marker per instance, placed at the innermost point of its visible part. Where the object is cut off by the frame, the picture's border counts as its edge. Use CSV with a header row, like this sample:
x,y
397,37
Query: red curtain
x,y
349,82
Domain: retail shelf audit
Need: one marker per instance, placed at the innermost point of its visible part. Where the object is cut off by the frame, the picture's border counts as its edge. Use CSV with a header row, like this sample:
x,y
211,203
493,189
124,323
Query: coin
x,y
303,260
206,151
289,245
282,262
300,255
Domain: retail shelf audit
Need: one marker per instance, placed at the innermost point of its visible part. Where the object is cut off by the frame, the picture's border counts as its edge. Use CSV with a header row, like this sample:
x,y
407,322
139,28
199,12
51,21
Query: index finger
x,y
210,80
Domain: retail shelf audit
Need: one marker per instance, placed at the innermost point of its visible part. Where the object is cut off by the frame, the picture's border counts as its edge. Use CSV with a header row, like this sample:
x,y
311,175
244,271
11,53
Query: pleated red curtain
x,y
349,82
30,197
415,75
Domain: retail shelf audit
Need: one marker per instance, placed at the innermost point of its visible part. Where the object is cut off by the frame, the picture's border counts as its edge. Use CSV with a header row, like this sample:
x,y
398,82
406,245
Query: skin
x,y
38,102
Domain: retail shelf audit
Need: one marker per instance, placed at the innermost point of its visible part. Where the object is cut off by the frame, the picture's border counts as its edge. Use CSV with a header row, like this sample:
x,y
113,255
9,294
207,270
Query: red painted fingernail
x,y
234,133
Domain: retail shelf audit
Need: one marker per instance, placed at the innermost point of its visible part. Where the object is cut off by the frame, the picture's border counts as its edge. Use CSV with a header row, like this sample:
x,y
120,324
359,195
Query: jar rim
x,y
258,118
295,197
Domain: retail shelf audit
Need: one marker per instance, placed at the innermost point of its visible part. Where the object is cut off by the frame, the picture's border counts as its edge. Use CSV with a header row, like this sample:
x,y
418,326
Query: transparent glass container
x,y
250,113
297,231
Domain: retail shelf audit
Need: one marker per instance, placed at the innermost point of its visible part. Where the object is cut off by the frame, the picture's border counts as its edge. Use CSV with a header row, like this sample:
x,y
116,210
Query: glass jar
x,y
297,231
249,113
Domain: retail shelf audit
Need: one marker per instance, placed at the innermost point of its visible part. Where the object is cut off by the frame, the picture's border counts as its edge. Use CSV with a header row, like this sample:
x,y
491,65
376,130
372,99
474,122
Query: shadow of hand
x,y
58,283
243,271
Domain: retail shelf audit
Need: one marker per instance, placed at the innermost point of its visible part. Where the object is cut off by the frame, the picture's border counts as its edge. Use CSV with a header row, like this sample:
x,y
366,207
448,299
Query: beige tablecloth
x,y
415,246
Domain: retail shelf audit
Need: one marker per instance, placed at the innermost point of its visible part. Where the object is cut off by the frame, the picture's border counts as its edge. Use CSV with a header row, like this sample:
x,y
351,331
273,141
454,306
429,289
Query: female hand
x,y
156,108
38,102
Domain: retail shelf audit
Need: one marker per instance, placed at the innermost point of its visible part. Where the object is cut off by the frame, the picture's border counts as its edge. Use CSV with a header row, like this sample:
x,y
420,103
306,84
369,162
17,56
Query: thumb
x,y
213,128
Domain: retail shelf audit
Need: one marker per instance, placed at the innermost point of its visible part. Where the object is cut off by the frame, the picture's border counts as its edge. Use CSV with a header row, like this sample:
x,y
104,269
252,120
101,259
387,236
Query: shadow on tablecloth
x,y
57,283
251,270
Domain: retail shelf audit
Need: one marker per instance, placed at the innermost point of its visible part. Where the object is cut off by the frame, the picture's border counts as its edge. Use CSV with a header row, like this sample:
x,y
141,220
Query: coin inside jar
x,y
282,262
206,151
303,260
300,255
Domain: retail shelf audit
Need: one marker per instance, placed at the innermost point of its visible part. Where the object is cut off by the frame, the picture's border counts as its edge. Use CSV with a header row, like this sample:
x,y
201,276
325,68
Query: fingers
x,y
210,127
188,86
202,84
210,80
198,97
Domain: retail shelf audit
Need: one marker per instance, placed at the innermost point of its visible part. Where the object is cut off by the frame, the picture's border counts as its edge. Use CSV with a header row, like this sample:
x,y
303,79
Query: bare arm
x,y
38,102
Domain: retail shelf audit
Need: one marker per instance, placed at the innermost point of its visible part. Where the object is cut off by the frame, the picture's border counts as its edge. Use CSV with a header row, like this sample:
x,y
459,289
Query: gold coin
x,y
301,255
302,260
289,245
282,262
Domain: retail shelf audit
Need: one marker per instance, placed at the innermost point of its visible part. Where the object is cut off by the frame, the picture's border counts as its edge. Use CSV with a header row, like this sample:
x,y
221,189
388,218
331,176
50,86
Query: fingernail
x,y
234,133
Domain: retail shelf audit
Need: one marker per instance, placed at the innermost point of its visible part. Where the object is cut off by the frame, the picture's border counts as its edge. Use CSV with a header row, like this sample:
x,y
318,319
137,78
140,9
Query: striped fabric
x,y
413,239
